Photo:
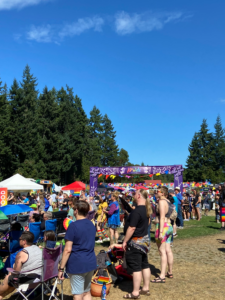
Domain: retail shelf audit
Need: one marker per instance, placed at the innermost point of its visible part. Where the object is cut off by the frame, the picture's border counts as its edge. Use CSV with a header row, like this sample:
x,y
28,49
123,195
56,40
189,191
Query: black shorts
x,y
22,279
136,260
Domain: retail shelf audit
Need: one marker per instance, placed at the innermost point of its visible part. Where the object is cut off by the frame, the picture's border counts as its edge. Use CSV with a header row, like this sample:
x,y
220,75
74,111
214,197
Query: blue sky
x,y
157,68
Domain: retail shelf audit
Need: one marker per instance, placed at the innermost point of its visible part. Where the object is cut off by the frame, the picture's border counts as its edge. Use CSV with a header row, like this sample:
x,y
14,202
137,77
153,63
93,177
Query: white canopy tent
x,y
19,183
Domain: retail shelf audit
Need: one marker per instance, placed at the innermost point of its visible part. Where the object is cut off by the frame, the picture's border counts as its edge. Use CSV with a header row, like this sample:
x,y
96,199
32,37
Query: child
x,y
217,208
49,239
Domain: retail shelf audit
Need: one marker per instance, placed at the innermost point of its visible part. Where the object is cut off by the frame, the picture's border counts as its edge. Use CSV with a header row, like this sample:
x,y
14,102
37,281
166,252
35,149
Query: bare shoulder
x,y
22,256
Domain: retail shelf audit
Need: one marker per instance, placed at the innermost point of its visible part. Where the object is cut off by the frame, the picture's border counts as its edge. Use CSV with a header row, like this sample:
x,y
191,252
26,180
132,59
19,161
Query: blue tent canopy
x,y
15,209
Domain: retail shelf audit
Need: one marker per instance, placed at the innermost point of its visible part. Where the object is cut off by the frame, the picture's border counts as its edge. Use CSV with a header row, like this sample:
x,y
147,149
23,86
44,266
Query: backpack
x,y
173,215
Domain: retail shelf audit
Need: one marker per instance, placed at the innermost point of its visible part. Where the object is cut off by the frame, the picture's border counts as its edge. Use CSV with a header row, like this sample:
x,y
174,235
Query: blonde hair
x,y
164,190
115,195
144,194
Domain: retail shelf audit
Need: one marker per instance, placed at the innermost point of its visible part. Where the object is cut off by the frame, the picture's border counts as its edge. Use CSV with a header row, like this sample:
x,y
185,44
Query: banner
x,y
3,196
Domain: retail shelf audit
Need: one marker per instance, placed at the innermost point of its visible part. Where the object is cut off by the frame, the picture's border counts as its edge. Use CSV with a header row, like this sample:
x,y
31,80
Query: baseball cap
x,y
33,206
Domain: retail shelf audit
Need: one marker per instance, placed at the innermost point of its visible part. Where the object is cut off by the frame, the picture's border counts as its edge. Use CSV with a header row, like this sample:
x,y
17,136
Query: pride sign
x,y
3,196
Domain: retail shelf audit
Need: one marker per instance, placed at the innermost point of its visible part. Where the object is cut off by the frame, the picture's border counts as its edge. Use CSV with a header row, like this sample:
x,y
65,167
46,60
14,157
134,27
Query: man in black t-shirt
x,y
136,230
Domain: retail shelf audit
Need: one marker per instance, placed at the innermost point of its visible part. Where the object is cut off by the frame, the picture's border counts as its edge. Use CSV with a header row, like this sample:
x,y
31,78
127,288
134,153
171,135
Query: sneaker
x,y
99,241
180,227
175,235
106,239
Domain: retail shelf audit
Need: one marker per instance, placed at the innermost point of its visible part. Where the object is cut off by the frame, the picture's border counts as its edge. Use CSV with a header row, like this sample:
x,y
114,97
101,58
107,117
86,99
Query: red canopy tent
x,y
76,185
140,187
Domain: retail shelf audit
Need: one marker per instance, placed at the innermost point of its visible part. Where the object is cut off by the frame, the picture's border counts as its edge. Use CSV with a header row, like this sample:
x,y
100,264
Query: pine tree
x,y
6,167
16,120
193,164
83,163
95,137
207,151
123,157
28,109
109,146
219,144
47,135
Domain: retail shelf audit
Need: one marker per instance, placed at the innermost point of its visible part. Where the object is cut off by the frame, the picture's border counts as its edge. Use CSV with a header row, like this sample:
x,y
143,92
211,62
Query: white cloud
x,y
126,23
51,33
82,25
9,4
41,34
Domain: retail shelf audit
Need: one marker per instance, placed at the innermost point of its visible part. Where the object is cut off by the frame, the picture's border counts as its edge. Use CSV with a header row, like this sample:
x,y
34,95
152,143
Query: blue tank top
x,y
114,219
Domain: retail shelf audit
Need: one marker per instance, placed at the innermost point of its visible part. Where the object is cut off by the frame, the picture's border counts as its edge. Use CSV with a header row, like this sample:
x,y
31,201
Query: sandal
x,y
168,275
131,296
158,280
142,292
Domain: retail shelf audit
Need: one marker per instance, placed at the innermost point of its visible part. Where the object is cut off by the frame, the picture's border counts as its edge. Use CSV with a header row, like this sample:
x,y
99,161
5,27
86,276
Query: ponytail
x,y
147,203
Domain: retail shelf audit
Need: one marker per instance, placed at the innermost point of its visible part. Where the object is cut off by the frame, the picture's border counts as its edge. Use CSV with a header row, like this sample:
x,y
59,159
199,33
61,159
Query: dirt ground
x,y
198,272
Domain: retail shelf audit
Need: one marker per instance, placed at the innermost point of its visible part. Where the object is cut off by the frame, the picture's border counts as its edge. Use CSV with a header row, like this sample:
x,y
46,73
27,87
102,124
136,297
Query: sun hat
x,y
33,206
177,188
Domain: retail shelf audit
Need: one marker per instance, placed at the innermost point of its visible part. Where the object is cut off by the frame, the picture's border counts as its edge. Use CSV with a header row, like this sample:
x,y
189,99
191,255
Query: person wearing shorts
x,y
79,256
163,234
136,244
113,213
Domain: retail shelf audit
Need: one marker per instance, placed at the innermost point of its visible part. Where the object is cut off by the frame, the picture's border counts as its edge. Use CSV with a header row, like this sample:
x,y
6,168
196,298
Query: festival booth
x,y
20,184
75,188
177,170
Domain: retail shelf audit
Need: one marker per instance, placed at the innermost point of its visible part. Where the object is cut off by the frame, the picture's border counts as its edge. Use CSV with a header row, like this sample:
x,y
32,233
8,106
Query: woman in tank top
x,y
163,234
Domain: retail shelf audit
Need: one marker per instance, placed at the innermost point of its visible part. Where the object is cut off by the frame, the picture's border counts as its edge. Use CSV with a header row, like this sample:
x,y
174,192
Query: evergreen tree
x,y
109,146
193,164
27,128
219,144
6,168
47,135
83,143
207,152
95,137
16,120
123,158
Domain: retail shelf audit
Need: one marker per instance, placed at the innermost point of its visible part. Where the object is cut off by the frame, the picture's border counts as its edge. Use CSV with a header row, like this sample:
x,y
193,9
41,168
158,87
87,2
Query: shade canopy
x,y
15,209
141,187
76,185
19,183
3,216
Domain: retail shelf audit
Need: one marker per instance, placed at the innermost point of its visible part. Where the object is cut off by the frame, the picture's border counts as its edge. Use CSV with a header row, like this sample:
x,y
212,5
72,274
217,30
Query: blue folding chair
x,y
35,228
49,225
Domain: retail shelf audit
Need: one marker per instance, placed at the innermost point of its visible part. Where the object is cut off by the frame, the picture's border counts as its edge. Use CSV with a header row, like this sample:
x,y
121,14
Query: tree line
x,y
48,135
206,160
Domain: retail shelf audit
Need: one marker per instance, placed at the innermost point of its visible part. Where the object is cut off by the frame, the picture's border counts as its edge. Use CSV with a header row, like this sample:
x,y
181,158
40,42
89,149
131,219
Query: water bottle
x,y
104,291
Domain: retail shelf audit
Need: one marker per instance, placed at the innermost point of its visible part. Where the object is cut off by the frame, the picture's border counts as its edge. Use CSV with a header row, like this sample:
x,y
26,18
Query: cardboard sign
x,y
3,196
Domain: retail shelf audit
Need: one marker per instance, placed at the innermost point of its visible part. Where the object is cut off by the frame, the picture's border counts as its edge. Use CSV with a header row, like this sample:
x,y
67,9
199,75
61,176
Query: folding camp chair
x,y
22,284
4,226
23,220
35,228
49,225
13,245
60,216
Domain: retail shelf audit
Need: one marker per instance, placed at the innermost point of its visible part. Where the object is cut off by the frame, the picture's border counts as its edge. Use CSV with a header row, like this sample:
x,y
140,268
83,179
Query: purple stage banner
x,y
177,170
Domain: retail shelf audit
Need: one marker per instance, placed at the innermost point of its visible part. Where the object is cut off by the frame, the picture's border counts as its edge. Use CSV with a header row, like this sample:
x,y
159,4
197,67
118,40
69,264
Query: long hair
x,y
144,194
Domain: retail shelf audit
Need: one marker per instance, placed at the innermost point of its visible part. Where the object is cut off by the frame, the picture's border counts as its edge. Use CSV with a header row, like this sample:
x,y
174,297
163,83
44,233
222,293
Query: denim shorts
x,y
197,205
80,283
112,226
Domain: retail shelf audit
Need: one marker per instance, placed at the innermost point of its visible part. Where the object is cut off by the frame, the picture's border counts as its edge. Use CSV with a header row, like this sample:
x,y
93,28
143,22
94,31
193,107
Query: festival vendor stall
x,y
47,185
20,184
75,188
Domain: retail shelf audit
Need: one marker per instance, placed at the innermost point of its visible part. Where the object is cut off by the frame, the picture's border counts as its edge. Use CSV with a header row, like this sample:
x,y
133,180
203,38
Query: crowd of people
x,y
134,213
